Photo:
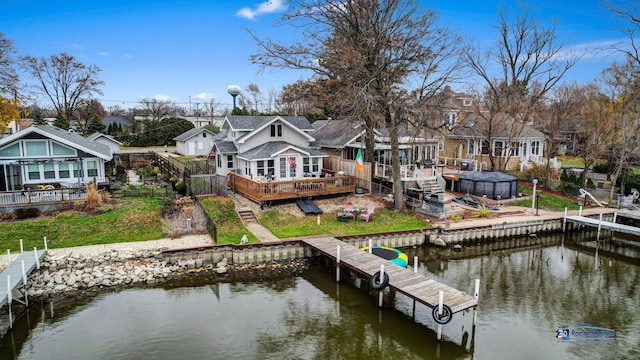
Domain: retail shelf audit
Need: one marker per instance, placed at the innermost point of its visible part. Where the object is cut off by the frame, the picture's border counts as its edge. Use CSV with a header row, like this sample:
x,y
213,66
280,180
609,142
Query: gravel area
x,y
94,250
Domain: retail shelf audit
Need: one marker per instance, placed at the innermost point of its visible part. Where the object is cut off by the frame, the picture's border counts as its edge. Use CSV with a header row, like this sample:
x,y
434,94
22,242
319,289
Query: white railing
x,y
26,197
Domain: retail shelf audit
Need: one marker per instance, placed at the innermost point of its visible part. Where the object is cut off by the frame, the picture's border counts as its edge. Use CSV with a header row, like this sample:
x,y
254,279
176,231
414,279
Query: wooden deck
x,y
14,272
261,192
405,281
619,228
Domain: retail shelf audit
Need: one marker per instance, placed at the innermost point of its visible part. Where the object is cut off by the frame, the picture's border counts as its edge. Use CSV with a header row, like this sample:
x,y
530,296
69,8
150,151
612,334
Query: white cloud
x,y
75,46
127,56
161,97
204,96
103,53
266,7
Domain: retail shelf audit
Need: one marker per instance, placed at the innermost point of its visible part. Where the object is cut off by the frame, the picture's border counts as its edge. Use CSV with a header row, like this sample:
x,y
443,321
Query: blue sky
x,y
182,50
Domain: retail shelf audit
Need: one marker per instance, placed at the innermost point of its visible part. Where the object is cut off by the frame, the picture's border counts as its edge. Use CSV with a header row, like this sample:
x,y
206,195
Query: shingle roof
x,y
85,144
191,133
250,123
267,150
335,133
225,147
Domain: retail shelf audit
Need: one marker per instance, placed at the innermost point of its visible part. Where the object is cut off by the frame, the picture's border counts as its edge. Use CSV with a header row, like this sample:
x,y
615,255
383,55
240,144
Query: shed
x,y
493,184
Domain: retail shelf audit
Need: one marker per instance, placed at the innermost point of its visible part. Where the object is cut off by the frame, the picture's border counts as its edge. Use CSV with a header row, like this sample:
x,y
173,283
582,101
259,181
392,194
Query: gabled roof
x,y
63,136
336,133
253,124
225,147
97,135
191,133
272,149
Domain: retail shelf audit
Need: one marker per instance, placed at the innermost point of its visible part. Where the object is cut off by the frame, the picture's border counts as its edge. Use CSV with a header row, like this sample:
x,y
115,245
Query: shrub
x,y
94,200
26,213
455,218
482,212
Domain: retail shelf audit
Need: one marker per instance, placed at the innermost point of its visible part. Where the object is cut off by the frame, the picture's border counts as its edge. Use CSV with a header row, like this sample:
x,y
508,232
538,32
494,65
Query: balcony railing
x,y
263,191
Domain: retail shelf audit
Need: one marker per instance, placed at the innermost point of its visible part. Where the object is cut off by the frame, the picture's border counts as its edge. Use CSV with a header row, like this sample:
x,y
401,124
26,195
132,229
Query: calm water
x,y
526,294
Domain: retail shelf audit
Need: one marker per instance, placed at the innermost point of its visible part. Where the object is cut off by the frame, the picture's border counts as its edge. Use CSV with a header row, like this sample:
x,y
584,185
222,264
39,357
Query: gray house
x,y
267,147
47,155
194,142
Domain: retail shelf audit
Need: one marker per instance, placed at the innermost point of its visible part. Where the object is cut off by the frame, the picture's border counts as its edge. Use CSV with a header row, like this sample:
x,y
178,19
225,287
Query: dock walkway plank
x,y
14,271
405,281
620,228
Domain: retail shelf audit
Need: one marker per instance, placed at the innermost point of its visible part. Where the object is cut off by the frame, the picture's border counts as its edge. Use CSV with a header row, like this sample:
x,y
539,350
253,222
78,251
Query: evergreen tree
x,y
95,125
61,122
38,119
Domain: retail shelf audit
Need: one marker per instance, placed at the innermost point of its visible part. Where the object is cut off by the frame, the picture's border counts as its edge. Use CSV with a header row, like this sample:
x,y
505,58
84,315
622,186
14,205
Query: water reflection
x,y
525,294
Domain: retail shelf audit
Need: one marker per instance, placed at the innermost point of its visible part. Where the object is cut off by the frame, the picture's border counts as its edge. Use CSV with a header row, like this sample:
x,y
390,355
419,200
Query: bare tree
x,y
558,117
8,73
255,100
86,110
530,62
375,50
157,109
64,80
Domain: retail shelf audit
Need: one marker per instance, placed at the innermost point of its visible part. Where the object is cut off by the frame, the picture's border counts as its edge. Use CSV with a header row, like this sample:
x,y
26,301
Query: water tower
x,y
234,90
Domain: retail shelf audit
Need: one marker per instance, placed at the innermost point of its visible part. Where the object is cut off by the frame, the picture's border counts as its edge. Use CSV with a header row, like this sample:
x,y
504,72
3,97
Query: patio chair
x,y
348,208
369,214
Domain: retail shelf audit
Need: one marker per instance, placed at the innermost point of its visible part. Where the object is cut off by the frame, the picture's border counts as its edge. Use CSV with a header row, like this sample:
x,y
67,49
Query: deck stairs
x,y
247,216
428,182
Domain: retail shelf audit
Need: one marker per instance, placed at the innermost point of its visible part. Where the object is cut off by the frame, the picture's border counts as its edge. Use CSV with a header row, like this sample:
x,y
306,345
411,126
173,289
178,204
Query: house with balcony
x,y
271,157
343,139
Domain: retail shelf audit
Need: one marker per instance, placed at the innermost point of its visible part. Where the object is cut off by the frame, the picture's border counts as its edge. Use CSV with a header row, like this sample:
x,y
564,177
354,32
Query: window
x,y
276,130
13,150
515,147
57,149
305,165
466,102
484,149
472,147
63,171
36,148
535,148
315,164
49,171
92,168
76,170
498,147
34,172
271,167
229,161
261,168
219,160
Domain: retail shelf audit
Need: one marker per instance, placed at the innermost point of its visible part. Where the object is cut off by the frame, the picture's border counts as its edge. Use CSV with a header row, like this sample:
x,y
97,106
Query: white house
x,y
113,144
45,154
195,142
274,147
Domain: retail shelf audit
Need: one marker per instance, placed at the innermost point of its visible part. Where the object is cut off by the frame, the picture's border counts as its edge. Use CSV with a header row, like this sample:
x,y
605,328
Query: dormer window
x,y
466,102
276,130
204,134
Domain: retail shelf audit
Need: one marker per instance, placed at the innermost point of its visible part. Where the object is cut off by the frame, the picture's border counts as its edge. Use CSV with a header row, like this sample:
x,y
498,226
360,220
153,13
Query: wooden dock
x,y
405,281
615,227
14,272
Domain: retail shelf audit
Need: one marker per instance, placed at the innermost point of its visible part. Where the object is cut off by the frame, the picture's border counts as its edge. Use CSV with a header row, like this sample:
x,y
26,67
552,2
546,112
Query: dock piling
x,y
337,263
476,295
381,292
440,302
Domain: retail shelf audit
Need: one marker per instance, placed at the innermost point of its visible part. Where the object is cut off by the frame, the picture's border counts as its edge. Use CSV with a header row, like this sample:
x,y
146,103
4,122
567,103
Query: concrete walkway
x,y
133,178
261,232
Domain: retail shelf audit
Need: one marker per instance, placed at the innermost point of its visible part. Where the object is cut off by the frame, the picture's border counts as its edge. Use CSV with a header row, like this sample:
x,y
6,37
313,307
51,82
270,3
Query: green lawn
x,y
222,211
547,201
132,219
286,225
571,162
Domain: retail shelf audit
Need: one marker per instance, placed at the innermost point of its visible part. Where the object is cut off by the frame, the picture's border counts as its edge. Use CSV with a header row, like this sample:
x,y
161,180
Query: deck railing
x,y
26,197
262,191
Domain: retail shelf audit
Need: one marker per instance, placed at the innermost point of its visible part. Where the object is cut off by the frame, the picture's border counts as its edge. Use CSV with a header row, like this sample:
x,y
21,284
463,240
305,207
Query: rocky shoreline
x,y
68,274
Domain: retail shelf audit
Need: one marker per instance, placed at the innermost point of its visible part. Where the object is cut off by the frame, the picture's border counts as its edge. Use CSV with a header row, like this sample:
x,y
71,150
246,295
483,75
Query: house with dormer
x,y
267,147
